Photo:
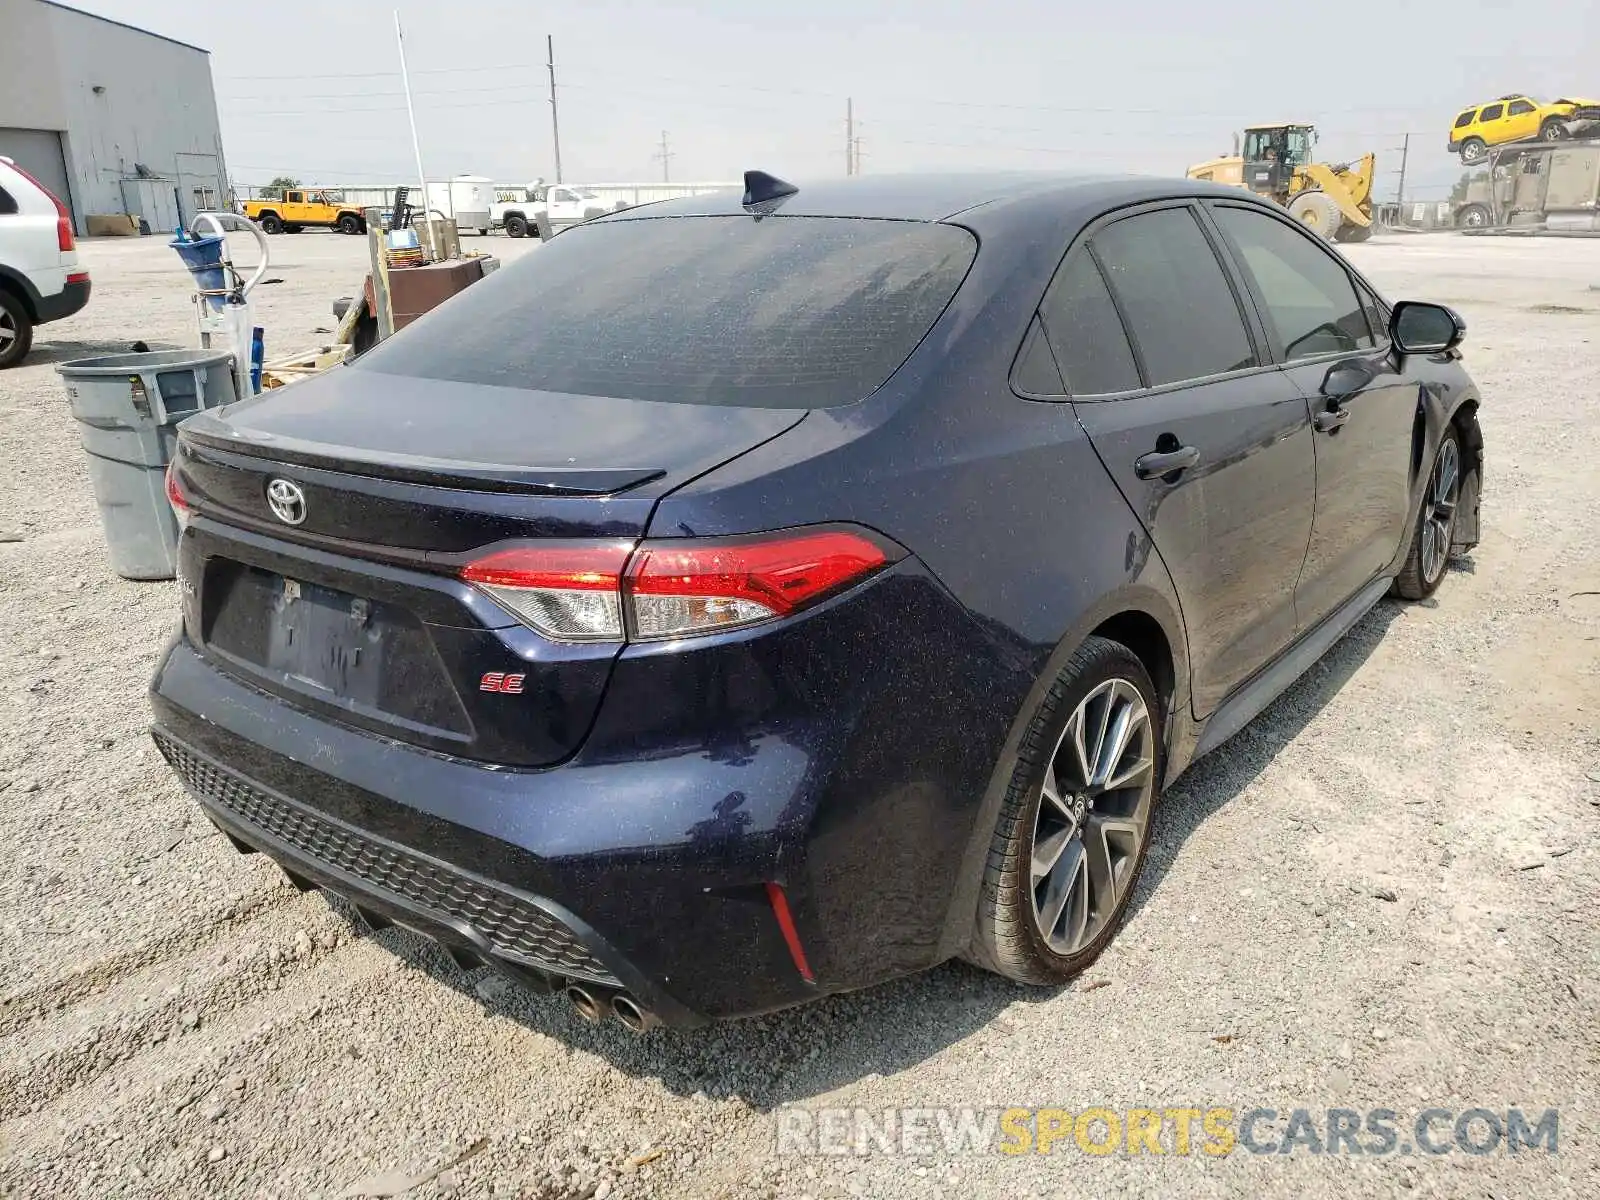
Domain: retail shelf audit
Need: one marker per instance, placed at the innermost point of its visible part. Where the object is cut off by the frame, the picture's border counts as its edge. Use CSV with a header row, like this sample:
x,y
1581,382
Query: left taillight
x,y
659,590
175,496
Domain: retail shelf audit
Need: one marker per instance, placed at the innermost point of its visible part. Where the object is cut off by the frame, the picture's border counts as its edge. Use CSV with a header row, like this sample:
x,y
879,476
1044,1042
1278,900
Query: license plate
x,y
327,639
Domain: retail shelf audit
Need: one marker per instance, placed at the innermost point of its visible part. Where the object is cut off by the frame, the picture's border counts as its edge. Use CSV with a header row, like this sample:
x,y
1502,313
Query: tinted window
x,y
1518,107
1036,371
786,312
1179,308
1311,304
7,204
1086,333
1377,313
1465,118
1492,113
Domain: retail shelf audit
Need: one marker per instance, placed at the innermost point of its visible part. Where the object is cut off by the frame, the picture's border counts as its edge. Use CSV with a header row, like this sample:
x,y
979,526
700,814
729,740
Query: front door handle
x,y
1330,419
1164,462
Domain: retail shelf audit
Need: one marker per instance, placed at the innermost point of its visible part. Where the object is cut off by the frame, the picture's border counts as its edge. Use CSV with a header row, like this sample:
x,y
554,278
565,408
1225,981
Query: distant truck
x,y
516,210
1553,185
299,209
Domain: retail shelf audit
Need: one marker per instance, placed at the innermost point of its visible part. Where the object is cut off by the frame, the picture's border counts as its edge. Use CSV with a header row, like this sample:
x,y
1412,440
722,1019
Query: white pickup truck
x,y
516,210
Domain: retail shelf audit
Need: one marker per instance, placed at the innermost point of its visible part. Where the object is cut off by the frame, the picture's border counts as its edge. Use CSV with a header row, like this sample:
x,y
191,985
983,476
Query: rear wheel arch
x,y
1142,615
19,287
1143,634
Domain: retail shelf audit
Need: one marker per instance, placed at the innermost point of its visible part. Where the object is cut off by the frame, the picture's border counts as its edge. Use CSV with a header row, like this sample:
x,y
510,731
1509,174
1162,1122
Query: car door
x,y
1521,120
1492,123
1210,445
563,205
1363,408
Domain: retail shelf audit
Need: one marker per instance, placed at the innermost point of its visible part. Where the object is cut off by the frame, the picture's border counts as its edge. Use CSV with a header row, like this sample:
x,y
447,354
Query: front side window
x,y
1312,306
784,312
1179,307
1520,108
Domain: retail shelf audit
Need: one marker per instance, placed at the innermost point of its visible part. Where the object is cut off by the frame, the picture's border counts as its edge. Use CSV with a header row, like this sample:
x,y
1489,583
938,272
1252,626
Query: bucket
x,y
128,407
203,257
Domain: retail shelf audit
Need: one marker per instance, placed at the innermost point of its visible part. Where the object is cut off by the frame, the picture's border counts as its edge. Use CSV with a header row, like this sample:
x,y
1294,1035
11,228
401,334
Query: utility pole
x,y
855,154
1405,153
849,136
555,120
664,155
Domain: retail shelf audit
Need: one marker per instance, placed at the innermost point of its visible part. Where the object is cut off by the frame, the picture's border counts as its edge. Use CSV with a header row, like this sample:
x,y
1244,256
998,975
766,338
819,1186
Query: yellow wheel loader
x,y
1334,199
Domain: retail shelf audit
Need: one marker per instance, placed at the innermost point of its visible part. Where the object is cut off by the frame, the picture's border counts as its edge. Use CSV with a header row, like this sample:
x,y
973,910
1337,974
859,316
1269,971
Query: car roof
x,y
940,197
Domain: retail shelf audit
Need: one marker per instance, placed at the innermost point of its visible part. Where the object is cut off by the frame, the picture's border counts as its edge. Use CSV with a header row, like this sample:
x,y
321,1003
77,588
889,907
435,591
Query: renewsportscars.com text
x,y
1215,1131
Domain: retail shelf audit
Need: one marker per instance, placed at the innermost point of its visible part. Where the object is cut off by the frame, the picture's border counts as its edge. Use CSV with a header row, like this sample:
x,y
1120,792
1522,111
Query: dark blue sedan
x,y
746,598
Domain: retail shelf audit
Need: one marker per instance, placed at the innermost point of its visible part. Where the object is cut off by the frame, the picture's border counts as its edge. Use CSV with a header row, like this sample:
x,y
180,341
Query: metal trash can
x,y
127,407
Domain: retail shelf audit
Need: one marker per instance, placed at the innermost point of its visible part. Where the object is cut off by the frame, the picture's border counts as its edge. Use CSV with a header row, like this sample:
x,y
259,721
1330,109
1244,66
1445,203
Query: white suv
x,y
40,279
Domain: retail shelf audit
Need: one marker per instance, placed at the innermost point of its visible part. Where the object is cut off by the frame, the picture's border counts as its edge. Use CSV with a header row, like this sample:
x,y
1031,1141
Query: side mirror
x,y
1417,327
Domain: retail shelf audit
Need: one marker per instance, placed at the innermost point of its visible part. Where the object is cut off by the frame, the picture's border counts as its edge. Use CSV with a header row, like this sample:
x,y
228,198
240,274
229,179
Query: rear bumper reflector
x,y
791,935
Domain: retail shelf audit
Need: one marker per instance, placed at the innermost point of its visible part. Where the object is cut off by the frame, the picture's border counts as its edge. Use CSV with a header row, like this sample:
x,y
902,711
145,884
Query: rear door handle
x,y
1330,419
1163,462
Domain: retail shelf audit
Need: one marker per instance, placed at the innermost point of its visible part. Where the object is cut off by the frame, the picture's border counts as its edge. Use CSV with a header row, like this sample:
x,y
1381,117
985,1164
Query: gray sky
x,y
312,88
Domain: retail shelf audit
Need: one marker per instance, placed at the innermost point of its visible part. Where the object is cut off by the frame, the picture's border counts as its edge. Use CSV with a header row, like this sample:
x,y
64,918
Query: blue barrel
x,y
203,257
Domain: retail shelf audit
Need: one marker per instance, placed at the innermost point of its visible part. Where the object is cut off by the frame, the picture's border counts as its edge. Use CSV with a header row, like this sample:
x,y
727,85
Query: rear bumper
x,y
70,299
643,862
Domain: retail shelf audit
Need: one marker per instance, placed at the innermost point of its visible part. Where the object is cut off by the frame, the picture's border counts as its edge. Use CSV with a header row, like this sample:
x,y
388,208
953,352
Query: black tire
x,y
1474,150
1474,216
1553,130
350,224
1354,233
1429,556
16,330
1008,937
271,223
516,226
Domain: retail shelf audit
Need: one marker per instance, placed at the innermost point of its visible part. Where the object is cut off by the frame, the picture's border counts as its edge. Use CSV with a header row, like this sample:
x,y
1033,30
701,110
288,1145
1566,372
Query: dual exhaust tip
x,y
595,1004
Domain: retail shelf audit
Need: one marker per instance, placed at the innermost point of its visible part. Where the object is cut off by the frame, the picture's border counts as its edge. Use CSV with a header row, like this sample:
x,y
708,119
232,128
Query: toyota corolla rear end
x,y
436,656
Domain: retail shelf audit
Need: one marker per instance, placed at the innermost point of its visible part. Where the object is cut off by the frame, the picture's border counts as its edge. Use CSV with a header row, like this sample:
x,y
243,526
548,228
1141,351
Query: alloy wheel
x,y
1439,516
1094,804
8,331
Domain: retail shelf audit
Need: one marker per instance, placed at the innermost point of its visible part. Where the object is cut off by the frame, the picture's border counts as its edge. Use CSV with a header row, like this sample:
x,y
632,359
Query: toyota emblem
x,y
287,501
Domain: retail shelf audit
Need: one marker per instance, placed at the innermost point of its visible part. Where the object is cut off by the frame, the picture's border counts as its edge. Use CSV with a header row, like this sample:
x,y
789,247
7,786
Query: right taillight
x,y
680,588
64,239
613,591
567,591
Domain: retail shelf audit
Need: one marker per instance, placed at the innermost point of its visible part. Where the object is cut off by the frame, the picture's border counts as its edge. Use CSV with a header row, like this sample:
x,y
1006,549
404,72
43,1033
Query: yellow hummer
x,y
1333,199
300,209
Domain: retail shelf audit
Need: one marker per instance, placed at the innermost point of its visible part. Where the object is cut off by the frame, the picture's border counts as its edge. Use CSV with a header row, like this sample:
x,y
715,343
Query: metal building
x,y
111,118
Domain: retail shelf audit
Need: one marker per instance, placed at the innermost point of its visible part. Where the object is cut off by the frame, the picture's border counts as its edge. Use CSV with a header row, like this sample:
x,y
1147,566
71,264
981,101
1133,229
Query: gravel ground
x,y
1380,894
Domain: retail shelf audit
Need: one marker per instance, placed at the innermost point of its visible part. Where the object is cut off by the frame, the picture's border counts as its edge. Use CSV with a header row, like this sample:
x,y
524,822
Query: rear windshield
x,y
784,312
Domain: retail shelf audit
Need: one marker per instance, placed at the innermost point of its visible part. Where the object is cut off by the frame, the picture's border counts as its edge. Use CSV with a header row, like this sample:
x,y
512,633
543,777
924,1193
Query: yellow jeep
x,y
299,209
1515,118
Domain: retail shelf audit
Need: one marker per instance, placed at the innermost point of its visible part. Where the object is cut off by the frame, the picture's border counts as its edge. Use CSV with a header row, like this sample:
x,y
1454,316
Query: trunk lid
x,y
355,611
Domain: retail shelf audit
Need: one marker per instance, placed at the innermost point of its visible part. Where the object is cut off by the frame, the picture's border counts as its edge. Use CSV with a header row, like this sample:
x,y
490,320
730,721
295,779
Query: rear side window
x,y
1520,107
1085,331
1179,307
1465,118
785,312
1492,113
1311,304
8,206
